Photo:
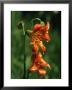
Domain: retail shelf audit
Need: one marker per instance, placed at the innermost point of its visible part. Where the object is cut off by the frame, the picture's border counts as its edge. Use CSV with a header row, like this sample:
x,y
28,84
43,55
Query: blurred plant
x,y
20,26
37,35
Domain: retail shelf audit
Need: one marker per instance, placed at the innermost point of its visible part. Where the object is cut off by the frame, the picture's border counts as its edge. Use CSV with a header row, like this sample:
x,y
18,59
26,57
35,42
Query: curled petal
x,y
46,37
37,27
42,47
42,72
49,66
32,42
34,58
43,63
39,56
33,68
35,49
47,26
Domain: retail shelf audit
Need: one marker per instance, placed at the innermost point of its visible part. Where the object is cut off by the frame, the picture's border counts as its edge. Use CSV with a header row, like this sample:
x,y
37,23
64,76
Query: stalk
x,y
24,75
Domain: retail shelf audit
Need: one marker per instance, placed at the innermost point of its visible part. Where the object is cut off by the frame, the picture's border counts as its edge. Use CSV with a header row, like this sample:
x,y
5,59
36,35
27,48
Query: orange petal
x,y
42,46
47,26
46,37
42,71
37,27
43,49
34,58
43,63
39,56
35,49
33,68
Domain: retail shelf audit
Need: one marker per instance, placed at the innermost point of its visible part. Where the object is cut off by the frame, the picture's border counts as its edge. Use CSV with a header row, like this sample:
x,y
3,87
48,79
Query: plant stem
x,y
38,19
27,74
24,75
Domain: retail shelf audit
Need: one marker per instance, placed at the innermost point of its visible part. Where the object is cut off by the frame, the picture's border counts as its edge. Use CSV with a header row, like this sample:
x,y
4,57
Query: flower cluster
x,y
38,35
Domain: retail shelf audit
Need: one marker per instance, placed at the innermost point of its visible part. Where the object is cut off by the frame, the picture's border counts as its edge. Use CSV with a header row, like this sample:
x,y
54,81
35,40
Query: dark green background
x,y
53,53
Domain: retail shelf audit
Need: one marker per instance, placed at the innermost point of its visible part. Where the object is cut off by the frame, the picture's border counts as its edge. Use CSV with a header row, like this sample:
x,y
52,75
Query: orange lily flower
x,y
38,35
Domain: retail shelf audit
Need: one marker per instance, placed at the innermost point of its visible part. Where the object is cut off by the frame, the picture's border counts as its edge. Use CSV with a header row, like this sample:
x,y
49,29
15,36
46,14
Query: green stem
x,y
38,19
28,74
24,75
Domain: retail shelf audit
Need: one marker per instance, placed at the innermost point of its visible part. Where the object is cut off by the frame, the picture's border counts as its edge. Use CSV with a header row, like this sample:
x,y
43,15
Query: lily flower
x,y
38,35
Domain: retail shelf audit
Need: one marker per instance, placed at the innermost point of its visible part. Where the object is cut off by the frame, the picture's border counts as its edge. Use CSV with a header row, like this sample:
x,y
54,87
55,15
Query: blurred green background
x,y
53,53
